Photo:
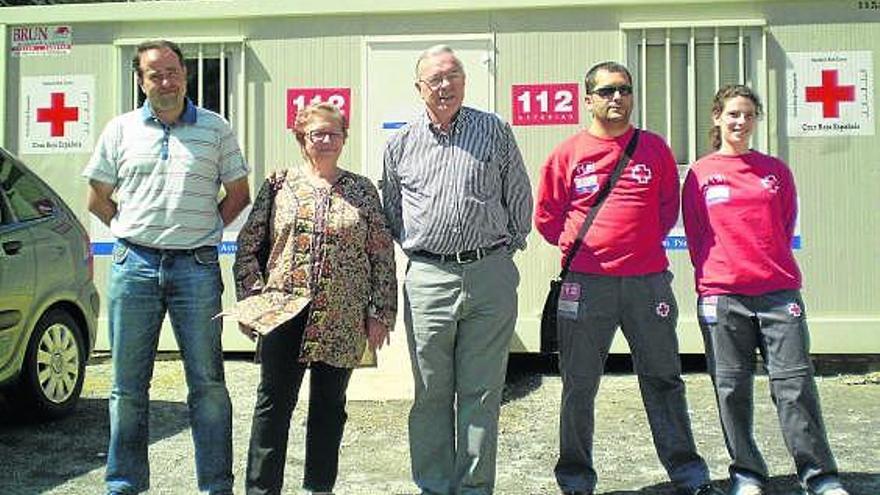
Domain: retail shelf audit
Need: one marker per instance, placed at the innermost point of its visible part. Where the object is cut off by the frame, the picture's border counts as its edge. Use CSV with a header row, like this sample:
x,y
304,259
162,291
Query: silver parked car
x,y
48,302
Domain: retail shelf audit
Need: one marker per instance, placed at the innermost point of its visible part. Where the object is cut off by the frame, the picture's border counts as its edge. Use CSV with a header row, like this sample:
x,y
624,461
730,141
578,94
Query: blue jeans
x,y
146,283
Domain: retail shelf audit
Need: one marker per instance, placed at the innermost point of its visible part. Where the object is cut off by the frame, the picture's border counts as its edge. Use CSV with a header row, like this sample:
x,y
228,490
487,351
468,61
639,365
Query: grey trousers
x,y
459,321
591,308
733,327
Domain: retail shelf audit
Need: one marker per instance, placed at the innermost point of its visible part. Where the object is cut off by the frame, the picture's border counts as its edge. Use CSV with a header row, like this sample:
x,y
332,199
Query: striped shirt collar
x,y
459,120
188,116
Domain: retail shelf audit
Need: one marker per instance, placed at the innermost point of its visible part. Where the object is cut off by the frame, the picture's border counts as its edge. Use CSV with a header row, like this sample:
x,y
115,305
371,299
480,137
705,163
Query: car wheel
x,y
54,366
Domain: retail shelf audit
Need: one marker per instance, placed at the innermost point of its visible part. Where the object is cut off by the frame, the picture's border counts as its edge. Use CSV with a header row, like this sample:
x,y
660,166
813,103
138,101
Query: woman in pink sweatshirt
x,y
739,209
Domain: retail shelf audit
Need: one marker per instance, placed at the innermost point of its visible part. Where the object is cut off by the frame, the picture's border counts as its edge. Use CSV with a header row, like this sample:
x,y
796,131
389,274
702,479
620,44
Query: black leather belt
x,y
160,251
461,257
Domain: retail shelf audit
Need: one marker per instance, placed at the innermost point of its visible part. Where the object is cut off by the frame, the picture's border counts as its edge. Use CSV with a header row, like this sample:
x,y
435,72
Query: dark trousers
x,y
644,307
734,328
281,375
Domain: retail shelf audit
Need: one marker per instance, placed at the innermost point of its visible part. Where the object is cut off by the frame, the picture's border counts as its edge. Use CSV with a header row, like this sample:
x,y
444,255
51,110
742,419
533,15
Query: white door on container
x,y
391,98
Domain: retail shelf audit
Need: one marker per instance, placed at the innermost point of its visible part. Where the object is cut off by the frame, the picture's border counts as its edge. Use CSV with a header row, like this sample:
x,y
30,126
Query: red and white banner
x,y
299,98
545,104
40,40
56,114
830,93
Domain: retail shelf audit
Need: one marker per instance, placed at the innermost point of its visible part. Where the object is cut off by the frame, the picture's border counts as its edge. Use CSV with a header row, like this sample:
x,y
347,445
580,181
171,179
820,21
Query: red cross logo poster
x,y
830,94
56,114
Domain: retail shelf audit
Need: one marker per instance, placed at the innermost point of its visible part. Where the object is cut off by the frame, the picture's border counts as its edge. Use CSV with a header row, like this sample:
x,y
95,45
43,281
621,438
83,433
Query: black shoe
x,y
576,492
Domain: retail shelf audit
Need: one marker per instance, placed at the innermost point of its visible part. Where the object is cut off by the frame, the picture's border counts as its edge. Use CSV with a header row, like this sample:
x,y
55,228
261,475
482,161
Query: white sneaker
x,y
747,489
833,491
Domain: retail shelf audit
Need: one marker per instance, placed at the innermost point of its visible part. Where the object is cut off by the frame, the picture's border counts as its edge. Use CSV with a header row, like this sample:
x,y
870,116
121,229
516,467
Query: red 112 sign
x,y
299,98
545,104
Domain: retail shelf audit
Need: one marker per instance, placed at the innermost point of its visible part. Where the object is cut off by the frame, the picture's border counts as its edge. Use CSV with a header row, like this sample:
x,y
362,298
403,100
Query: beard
x,y
163,102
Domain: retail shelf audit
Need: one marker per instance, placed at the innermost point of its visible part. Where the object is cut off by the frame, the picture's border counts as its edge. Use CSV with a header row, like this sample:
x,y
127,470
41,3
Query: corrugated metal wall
x,y
838,177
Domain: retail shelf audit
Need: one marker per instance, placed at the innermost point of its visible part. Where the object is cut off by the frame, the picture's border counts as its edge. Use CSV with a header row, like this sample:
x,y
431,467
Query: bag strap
x,y
600,199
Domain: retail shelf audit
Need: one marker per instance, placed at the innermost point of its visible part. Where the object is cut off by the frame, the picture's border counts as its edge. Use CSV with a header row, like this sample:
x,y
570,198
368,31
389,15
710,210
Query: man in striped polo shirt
x,y
154,180
458,201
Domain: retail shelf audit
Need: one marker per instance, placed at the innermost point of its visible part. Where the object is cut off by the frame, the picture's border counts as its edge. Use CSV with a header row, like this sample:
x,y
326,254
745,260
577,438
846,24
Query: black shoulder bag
x,y
549,327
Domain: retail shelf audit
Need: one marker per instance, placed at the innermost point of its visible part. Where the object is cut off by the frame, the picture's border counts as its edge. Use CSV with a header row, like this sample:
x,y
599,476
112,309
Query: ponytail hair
x,y
723,94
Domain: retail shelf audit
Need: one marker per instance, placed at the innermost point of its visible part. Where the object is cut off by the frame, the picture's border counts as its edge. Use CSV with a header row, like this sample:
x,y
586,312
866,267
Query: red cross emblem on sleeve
x,y
57,114
830,94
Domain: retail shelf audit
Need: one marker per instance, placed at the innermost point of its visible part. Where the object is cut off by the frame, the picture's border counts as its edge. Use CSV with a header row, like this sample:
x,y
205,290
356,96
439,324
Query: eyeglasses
x,y
324,136
609,91
170,75
434,82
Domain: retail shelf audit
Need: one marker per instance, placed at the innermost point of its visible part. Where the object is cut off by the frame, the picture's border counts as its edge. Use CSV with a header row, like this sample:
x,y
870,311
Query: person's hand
x,y
247,331
377,334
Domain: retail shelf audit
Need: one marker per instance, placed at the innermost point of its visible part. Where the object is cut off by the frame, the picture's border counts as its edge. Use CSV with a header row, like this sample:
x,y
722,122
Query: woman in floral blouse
x,y
316,231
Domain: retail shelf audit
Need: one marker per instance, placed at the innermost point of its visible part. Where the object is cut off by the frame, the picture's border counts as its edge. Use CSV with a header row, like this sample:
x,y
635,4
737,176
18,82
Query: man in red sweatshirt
x,y
618,277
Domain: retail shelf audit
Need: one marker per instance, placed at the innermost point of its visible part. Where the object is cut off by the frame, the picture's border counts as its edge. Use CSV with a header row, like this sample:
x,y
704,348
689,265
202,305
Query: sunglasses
x,y
608,91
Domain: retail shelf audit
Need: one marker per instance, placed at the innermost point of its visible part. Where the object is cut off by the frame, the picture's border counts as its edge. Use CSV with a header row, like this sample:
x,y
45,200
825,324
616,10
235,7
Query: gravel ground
x,y
68,456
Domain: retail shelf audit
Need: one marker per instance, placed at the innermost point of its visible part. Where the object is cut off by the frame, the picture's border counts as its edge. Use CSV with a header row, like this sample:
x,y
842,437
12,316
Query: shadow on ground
x,y
856,483
44,454
525,371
